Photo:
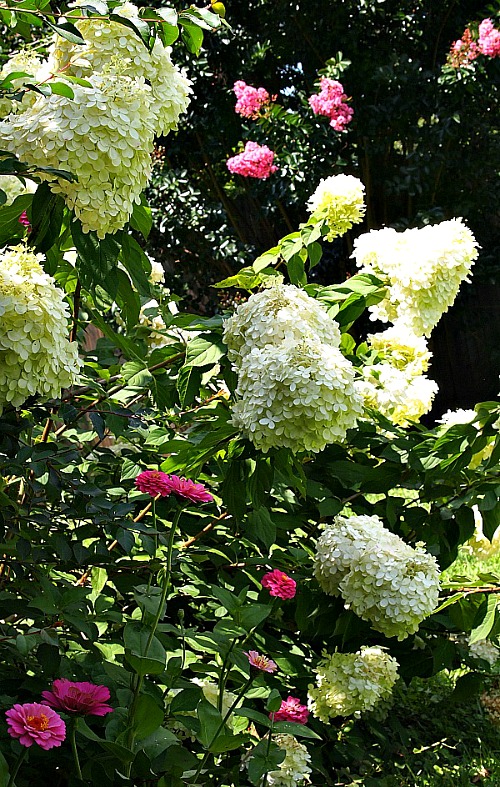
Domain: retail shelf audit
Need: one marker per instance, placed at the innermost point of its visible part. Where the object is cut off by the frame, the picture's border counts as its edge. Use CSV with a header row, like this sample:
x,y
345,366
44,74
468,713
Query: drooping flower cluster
x,y
35,723
294,770
291,709
295,387
339,201
83,698
380,577
280,585
255,161
250,99
331,102
489,39
36,356
104,135
423,269
401,349
348,683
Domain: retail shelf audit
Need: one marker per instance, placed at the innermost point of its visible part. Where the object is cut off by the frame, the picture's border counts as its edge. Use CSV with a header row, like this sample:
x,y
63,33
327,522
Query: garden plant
x,y
223,534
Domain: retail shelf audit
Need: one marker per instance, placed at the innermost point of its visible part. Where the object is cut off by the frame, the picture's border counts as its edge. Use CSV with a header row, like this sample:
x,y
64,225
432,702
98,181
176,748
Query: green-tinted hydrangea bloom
x,y
339,202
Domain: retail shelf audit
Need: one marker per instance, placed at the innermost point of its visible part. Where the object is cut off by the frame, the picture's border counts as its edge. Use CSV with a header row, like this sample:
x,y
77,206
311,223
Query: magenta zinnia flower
x,y
184,487
84,698
291,710
35,723
279,584
154,483
258,661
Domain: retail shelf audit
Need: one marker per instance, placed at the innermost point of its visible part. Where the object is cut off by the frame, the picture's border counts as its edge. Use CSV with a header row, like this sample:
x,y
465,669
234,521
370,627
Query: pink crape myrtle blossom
x,y
331,102
184,487
256,161
35,723
489,39
86,699
260,662
463,51
291,710
250,99
279,584
154,483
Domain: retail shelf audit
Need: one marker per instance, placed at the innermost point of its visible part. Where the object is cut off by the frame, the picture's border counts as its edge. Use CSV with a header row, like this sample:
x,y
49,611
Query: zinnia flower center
x,y
39,723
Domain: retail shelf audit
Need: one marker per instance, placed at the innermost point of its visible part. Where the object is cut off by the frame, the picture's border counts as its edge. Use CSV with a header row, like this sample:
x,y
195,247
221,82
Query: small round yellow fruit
x,y
219,8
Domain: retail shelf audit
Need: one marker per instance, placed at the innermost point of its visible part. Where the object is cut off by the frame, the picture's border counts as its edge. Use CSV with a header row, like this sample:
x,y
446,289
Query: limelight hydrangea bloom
x,y
395,393
339,201
113,48
380,577
25,61
348,683
294,770
103,136
35,354
401,348
456,417
299,395
279,313
14,187
423,269
486,650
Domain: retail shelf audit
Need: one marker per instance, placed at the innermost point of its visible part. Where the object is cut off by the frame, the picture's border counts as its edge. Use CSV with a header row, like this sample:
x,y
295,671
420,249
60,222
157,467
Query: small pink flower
x,y
250,99
258,661
279,584
256,161
24,220
153,482
184,487
84,698
35,723
291,710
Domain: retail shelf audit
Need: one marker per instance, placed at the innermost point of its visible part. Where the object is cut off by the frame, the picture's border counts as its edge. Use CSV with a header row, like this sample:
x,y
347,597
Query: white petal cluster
x,y
486,650
401,348
26,61
381,578
157,275
159,335
35,354
294,770
14,187
402,398
112,47
295,388
277,314
103,136
339,201
348,683
423,269
457,417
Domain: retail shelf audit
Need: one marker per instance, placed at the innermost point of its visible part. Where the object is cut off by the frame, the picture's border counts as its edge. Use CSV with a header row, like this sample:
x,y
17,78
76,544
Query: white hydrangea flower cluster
x,y
381,578
157,275
402,349
348,683
104,135
456,418
398,396
26,61
295,387
14,187
339,201
486,650
104,41
294,770
159,334
36,356
423,269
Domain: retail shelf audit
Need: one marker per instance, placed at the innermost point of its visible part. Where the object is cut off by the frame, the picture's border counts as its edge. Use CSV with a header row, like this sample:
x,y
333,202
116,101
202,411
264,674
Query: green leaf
x,y
273,702
144,660
296,270
46,215
227,743
4,771
314,253
292,728
9,218
188,385
148,716
254,715
96,259
192,36
203,352
484,628
67,30
210,722
141,218
260,525
61,89
466,687
137,264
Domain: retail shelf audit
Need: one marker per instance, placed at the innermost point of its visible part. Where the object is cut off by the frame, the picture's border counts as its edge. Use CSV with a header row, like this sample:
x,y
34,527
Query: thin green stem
x,y
16,767
268,749
74,748
220,728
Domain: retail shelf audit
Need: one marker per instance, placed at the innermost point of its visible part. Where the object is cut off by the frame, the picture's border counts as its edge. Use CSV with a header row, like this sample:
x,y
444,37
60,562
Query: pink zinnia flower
x,y
331,102
250,99
256,161
154,483
35,723
291,710
84,698
258,661
279,584
489,39
184,487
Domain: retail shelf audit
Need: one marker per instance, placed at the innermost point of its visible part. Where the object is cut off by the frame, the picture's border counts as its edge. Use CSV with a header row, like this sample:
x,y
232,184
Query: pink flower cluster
x,y
466,49
280,585
331,102
291,710
256,161
155,482
250,99
36,722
